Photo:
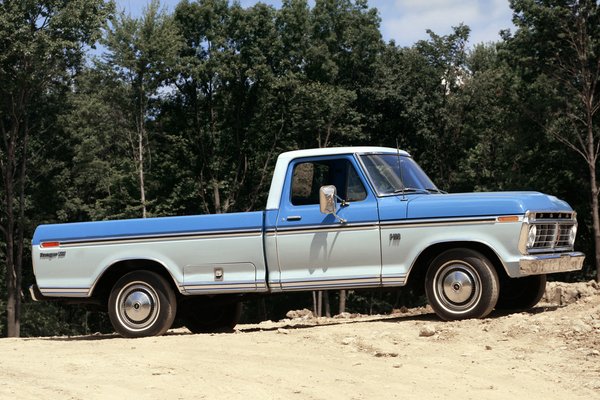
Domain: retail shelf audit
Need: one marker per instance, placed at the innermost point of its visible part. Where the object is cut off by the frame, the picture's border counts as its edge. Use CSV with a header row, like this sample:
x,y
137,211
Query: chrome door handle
x,y
294,218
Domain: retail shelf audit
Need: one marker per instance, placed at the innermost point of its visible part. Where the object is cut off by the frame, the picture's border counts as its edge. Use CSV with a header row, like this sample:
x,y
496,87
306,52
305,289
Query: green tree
x,y
322,115
142,51
493,158
227,92
416,98
41,44
94,163
345,42
557,47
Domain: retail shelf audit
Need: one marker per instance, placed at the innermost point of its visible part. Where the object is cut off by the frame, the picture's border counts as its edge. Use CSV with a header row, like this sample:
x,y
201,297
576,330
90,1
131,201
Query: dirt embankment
x,y
551,352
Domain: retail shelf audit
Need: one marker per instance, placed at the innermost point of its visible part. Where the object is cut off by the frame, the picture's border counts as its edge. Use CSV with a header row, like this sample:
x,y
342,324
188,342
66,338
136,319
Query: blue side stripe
x,y
103,230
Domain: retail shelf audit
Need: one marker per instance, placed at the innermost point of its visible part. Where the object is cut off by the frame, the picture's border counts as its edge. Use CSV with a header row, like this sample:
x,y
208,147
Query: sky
x,y
406,21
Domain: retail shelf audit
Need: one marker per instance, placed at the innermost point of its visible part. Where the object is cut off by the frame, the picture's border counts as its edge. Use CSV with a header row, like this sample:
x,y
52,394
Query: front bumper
x,y
551,263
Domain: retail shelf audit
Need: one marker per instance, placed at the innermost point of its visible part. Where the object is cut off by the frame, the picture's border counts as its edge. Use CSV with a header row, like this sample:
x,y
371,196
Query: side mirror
x,y
327,199
327,196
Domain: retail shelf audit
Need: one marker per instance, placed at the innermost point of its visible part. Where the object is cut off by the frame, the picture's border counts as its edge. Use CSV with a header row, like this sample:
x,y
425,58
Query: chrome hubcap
x,y
457,286
138,306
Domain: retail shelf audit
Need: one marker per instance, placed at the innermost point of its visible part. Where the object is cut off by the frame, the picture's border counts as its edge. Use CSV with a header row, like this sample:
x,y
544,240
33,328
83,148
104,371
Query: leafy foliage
x,y
41,47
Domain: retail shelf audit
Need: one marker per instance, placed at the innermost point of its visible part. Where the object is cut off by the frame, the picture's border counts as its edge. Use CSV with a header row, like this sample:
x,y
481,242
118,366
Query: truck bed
x,y
203,253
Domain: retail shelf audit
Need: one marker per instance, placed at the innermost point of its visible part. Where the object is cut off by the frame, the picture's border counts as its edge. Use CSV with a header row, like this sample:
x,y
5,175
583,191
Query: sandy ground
x,y
552,352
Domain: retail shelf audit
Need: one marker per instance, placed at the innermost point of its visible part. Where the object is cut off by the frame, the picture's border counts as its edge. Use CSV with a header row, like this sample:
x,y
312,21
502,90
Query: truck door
x,y
317,250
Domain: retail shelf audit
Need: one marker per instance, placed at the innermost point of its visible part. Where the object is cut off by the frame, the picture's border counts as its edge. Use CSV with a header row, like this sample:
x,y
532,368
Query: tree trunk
x,y
216,197
141,170
12,301
319,303
342,304
12,281
141,134
18,261
326,301
595,217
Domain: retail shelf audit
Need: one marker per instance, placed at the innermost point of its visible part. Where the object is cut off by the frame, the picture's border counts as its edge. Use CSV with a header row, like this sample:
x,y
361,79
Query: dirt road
x,y
552,352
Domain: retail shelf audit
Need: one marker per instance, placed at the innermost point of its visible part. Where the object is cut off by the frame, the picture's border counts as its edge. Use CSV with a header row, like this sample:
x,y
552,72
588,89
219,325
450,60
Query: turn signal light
x,y
509,218
45,245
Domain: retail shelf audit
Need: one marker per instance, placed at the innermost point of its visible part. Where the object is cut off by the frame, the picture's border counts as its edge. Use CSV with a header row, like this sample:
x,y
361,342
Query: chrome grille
x,y
553,232
564,233
545,236
552,237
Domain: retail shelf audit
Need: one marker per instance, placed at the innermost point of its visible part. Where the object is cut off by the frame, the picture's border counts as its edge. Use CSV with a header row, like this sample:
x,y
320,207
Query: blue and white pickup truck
x,y
336,218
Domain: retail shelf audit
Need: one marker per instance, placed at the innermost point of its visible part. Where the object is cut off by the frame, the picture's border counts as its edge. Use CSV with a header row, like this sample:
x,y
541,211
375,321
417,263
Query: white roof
x,y
284,159
337,150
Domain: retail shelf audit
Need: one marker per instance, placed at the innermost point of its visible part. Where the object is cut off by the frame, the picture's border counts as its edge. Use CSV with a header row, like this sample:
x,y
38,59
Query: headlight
x,y
531,236
572,235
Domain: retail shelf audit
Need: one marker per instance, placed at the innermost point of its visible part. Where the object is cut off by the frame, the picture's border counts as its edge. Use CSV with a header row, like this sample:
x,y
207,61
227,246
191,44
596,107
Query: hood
x,y
478,204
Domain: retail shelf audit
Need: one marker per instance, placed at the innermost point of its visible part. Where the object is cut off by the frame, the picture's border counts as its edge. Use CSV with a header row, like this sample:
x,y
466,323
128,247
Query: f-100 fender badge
x,y
52,256
395,239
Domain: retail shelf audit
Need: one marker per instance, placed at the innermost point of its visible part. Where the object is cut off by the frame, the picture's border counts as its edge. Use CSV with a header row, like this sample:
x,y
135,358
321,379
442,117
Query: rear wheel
x,y
140,304
202,316
521,293
461,284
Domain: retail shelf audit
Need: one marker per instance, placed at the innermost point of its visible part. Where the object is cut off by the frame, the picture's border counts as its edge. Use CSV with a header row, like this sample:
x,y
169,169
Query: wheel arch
x,y
113,272
416,274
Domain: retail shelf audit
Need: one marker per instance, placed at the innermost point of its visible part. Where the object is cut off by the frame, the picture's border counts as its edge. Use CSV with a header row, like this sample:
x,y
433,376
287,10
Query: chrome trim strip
x,y
438,221
221,290
390,224
160,238
73,292
218,286
393,279
215,286
333,282
217,290
327,228
394,283
331,286
65,290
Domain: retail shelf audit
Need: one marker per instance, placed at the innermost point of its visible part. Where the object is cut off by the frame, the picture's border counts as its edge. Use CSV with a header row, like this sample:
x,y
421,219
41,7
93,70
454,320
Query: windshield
x,y
392,173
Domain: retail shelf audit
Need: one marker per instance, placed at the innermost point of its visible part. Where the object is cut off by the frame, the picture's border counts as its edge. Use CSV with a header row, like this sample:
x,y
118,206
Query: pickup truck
x,y
335,218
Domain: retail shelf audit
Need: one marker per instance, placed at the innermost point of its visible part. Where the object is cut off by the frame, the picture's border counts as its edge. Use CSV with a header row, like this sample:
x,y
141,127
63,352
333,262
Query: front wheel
x,y
140,304
461,284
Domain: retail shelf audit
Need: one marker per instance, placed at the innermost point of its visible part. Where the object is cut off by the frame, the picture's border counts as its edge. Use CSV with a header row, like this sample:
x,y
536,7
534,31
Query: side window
x,y
306,182
308,177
